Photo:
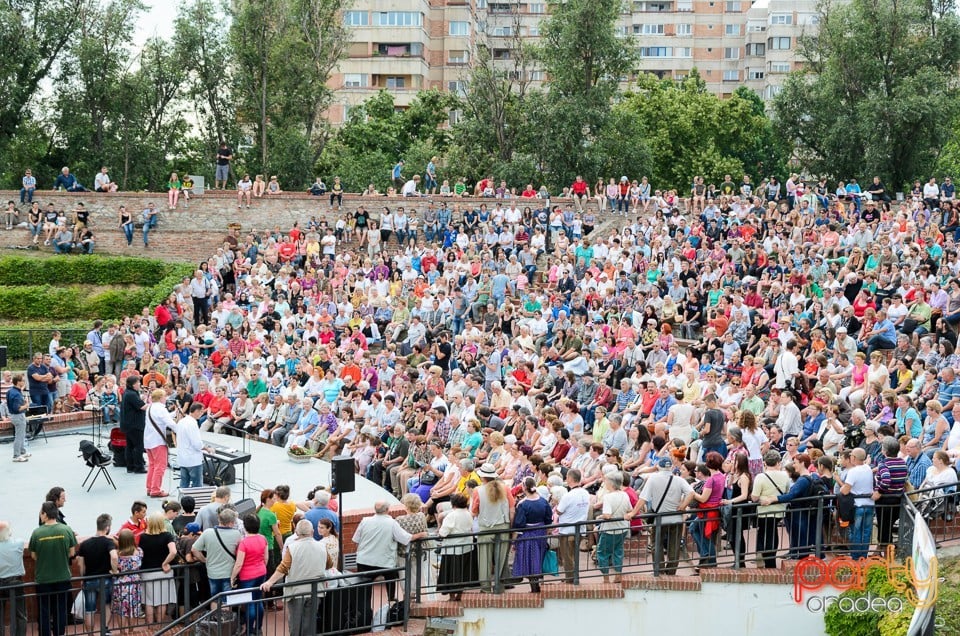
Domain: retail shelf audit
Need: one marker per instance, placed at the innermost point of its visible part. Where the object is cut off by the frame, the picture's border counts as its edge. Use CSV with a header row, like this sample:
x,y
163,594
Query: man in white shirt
x,y
787,366
789,419
410,187
859,482
190,448
159,421
572,508
376,539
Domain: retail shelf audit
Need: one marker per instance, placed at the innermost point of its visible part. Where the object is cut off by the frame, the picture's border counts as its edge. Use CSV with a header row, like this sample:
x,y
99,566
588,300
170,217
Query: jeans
x,y
860,532
43,399
91,594
128,232
219,585
111,414
722,449
191,477
878,342
255,607
706,546
147,226
26,196
53,600
610,551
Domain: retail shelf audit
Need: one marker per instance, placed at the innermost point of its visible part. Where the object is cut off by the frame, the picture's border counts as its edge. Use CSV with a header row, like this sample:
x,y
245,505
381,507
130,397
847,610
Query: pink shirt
x,y
254,547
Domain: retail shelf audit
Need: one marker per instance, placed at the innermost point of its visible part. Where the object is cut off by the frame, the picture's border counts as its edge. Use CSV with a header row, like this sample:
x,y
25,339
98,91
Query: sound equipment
x,y
3,357
342,477
219,465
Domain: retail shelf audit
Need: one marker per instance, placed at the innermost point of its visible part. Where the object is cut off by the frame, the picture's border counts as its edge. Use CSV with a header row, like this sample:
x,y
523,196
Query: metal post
x,y
340,534
497,583
576,554
818,529
738,546
657,545
311,609
102,601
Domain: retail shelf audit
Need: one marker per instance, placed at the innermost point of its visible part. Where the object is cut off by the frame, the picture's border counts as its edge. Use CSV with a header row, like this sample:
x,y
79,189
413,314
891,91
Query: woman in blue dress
x,y
533,513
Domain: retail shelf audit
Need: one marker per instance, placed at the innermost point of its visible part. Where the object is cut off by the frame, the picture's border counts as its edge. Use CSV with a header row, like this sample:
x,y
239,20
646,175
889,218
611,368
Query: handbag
x,y
551,564
166,438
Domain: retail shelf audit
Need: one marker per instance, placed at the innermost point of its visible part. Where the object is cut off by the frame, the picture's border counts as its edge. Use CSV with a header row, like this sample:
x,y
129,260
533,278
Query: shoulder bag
x,y
233,555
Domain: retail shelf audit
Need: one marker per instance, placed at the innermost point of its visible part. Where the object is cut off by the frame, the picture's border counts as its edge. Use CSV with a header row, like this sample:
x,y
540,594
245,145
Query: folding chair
x,y
37,416
97,461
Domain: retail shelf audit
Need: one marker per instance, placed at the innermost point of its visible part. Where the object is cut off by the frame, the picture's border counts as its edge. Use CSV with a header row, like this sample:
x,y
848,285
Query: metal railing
x,y
676,543
22,343
345,604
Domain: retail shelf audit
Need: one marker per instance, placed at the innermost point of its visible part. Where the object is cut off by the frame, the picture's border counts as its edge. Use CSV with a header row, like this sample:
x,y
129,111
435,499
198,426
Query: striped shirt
x,y
891,475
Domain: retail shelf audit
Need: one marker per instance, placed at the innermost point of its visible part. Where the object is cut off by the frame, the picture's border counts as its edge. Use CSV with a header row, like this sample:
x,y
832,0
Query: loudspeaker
x,y
342,477
3,357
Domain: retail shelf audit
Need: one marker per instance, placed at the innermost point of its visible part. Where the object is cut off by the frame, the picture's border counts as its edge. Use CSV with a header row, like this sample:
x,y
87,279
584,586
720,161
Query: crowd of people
x,y
506,365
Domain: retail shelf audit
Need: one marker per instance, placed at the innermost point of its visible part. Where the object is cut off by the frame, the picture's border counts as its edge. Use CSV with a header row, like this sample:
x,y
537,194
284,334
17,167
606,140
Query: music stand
x,y
37,416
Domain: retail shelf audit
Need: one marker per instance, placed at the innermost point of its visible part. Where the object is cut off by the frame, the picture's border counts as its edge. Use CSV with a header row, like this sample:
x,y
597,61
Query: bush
x,y
838,623
83,270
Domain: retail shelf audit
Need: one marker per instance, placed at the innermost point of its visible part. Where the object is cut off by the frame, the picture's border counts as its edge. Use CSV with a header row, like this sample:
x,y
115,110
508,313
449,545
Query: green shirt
x,y
255,387
219,562
51,544
267,520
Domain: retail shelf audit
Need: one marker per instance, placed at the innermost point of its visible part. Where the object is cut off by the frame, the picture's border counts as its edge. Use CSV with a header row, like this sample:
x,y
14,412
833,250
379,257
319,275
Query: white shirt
x,y
573,508
786,367
377,538
163,420
189,444
409,189
860,479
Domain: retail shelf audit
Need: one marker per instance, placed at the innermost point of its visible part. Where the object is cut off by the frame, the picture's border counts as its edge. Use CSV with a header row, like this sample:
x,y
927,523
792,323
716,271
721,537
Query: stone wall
x,y
194,233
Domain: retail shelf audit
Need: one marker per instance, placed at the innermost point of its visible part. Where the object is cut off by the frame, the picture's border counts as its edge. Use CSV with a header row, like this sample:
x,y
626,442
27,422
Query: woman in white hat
x,y
493,508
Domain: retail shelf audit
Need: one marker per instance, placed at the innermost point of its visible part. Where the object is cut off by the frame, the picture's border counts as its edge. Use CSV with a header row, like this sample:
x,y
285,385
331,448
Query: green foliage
x,y
377,135
86,270
838,623
690,131
878,94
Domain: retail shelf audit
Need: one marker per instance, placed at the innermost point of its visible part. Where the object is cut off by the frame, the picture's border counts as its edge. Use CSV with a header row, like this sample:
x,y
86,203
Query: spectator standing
x,y
573,508
533,513
16,407
159,549
97,557
217,548
13,607
376,538
127,596
155,442
858,481
52,546
304,559
224,156
250,570
663,493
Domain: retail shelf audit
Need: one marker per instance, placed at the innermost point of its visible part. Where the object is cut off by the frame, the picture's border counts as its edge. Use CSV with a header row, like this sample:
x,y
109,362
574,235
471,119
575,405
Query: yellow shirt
x,y
285,510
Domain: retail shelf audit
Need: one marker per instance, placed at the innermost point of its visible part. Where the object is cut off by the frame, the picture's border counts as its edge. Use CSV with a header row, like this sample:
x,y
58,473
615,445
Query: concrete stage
x,y
58,463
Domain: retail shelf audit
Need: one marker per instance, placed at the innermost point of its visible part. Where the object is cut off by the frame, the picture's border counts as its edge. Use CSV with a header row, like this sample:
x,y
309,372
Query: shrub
x,y
87,270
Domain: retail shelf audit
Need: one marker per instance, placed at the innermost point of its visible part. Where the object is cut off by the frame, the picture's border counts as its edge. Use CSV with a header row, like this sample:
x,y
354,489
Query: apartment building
x,y
408,45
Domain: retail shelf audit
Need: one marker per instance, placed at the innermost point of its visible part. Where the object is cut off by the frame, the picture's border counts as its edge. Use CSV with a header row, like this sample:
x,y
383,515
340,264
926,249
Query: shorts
x,y
223,172
429,182
80,225
91,594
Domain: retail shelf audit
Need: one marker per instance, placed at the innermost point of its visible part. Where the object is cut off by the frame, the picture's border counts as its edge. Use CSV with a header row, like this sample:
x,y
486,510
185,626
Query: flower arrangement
x,y
299,454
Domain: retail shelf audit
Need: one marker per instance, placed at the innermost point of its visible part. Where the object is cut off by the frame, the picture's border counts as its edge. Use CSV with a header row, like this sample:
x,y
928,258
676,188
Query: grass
x,y
948,599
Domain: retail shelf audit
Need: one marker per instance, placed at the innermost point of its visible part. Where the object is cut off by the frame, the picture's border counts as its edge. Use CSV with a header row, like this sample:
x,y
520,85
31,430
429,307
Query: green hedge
x,y
84,270
45,302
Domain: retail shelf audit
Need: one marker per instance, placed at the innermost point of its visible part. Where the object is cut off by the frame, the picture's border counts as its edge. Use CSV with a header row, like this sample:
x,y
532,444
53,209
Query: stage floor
x,y
58,463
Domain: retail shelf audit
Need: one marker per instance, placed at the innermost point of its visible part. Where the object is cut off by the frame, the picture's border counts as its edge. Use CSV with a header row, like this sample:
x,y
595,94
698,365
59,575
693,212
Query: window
x,y
501,31
534,30
457,87
651,29
731,29
455,117
684,5
781,18
459,57
733,7
356,18
501,54
778,44
500,7
400,50
779,67
622,31
656,51
398,18
756,48
756,27
459,28
731,53
684,29
683,51
481,4
354,80
808,19
772,91
680,77
536,76
755,75
731,76
537,8
396,82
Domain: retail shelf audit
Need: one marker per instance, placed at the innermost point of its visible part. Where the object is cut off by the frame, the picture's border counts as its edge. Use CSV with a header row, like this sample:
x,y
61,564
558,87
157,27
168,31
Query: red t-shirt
x,y
579,187
253,547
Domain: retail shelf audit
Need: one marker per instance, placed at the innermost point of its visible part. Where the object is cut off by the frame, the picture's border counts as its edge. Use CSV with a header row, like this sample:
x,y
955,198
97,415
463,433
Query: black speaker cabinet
x,y
3,357
342,477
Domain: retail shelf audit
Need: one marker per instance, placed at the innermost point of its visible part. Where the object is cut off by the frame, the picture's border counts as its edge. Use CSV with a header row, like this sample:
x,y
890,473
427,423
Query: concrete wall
x,y
741,609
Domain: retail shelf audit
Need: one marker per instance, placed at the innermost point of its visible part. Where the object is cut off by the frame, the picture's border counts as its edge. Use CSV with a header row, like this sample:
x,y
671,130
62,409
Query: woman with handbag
x,y
533,513
741,513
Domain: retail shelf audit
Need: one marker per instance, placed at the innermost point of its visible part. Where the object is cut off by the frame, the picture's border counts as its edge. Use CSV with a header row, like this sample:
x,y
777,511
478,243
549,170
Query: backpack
x,y
818,487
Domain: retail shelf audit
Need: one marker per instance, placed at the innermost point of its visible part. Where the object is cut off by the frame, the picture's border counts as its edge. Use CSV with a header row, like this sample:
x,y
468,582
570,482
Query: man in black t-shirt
x,y
97,557
224,155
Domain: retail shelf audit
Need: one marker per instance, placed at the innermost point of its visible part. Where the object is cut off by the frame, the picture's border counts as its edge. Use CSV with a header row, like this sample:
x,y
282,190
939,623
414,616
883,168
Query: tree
x,y
287,49
690,131
878,93
584,61
34,35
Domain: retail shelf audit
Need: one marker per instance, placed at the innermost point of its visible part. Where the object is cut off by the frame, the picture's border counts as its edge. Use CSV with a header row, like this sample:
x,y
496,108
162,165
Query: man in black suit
x,y
132,423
